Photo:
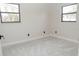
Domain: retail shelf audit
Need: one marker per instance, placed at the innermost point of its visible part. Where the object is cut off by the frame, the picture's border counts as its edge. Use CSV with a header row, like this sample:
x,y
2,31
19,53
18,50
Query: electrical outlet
x,y
55,31
44,32
28,34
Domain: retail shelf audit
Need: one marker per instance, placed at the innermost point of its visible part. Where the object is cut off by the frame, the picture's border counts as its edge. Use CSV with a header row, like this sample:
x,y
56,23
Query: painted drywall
x,y
0,49
65,29
34,20
0,41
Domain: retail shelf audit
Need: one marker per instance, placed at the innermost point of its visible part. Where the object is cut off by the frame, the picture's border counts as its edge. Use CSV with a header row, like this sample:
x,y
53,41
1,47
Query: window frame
x,y
12,13
68,13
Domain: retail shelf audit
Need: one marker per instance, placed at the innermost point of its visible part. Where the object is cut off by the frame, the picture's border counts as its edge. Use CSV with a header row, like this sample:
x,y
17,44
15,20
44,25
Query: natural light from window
x,y
69,12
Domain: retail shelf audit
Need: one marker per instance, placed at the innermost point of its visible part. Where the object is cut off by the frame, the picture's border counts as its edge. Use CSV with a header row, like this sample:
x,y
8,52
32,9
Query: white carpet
x,y
43,47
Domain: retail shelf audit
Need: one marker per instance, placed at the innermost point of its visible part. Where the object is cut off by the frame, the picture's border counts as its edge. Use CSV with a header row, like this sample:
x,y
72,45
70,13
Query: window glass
x,y
69,17
71,8
69,12
9,8
10,17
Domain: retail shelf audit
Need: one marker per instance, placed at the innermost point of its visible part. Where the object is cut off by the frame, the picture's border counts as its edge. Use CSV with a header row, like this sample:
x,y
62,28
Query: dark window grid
x,y
67,13
66,21
12,13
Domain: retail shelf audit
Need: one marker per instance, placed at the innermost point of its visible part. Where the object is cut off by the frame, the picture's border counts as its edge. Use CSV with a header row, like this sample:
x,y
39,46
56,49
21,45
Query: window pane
x,y
71,8
9,17
9,8
69,17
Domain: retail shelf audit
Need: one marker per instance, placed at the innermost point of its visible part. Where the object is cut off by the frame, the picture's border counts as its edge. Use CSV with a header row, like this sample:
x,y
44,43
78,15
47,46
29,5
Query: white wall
x,y
65,29
0,41
34,20
0,49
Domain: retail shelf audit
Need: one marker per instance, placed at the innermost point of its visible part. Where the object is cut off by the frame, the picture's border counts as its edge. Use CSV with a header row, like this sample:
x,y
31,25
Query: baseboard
x,y
68,39
40,37
22,41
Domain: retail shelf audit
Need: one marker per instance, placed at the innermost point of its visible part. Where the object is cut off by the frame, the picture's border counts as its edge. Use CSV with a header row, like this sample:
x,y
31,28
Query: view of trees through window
x,y
9,13
69,12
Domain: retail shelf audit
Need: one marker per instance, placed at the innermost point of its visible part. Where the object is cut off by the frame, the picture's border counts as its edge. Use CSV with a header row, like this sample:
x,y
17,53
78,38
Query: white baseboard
x,y
26,40
68,39
40,37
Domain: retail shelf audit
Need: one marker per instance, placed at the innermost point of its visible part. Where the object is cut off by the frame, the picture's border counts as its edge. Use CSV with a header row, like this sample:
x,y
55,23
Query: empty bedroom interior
x,y
40,29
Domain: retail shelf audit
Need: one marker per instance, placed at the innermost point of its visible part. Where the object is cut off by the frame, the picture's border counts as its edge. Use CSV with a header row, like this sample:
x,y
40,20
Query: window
x,y
9,13
69,13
